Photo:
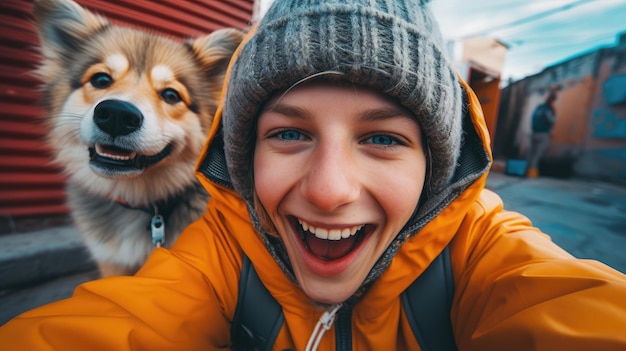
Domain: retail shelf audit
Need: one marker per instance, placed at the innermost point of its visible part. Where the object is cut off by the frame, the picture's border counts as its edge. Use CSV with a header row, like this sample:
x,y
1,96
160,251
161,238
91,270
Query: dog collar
x,y
159,211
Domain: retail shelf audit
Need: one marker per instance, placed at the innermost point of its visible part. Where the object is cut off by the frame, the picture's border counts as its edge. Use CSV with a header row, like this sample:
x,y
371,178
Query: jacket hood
x,y
426,234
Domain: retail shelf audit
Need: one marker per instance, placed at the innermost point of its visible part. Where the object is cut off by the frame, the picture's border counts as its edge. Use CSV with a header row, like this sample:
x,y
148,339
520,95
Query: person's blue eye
x,y
289,134
382,139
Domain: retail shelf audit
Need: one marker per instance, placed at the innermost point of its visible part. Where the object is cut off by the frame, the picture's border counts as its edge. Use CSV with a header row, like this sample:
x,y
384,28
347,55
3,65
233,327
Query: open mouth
x,y
330,244
115,158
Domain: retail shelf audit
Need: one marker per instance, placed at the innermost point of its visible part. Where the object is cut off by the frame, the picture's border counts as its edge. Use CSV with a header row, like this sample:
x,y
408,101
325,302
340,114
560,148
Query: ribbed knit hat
x,y
393,46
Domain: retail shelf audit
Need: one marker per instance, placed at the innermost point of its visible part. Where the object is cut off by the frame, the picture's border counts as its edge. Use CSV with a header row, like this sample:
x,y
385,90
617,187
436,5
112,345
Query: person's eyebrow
x,y
370,115
383,113
287,110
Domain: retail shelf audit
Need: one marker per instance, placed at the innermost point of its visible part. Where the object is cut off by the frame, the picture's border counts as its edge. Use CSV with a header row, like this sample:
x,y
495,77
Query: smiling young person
x,y
347,156
329,162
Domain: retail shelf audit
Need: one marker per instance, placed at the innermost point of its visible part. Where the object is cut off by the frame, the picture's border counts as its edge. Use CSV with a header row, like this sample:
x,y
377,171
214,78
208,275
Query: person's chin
x,y
325,288
329,293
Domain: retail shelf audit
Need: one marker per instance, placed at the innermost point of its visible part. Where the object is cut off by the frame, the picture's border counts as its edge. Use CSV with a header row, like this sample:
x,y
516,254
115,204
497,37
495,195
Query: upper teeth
x,y
330,234
100,151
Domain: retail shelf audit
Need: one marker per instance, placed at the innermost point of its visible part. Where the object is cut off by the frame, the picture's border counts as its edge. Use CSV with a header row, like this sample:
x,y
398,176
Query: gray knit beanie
x,y
393,46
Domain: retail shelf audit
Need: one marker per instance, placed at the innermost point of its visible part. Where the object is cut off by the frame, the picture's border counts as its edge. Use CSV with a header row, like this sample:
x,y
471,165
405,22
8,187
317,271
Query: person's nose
x,y
331,180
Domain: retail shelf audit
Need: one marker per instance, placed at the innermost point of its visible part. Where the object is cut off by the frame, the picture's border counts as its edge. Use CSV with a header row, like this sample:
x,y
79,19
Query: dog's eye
x,y
101,80
170,96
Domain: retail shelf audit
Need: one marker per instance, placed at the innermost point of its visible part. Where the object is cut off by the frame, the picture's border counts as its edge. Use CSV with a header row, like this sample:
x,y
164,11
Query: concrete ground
x,y
587,218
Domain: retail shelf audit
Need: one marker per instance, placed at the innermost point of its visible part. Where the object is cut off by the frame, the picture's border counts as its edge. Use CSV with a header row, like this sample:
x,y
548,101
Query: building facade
x,y
589,137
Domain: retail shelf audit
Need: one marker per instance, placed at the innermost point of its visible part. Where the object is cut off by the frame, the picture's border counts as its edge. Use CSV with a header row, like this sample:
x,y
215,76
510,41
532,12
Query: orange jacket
x,y
515,289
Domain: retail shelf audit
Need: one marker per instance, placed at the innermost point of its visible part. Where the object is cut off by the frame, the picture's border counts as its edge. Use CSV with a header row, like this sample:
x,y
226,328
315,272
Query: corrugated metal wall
x,y
31,188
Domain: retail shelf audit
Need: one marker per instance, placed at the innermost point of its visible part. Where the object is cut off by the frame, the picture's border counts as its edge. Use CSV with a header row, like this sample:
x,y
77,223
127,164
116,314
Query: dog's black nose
x,y
117,117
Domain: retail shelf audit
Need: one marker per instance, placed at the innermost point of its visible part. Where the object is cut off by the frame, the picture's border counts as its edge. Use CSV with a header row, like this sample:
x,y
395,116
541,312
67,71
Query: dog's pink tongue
x,y
329,250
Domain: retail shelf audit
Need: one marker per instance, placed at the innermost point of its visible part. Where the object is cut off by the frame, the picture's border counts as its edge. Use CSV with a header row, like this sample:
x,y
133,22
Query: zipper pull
x,y
323,324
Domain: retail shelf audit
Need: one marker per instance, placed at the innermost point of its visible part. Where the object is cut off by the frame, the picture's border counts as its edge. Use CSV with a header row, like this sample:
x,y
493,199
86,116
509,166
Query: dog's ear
x,y
63,25
215,50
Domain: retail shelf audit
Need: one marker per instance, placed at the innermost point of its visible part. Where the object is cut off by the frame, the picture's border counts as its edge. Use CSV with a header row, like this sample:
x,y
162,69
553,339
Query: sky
x,y
539,33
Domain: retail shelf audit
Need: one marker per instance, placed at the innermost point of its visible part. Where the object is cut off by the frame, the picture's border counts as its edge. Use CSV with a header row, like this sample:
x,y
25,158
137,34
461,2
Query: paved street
x,y
587,218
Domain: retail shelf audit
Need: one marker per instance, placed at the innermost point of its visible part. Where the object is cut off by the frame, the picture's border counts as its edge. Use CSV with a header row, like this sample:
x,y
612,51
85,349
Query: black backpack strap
x,y
258,317
427,303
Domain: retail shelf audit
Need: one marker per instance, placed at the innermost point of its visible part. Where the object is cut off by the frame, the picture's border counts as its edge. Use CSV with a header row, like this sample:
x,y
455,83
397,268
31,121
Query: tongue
x,y
329,250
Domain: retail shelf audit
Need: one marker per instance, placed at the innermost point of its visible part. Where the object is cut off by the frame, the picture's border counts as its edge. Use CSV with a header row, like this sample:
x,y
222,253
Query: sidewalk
x,y
586,218
40,267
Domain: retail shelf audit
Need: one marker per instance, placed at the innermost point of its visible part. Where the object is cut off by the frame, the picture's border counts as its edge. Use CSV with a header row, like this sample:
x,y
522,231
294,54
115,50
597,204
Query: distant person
x,y
347,169
542,121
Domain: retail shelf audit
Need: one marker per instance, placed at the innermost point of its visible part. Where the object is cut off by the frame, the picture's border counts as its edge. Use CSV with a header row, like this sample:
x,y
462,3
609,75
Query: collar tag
x,y
157,228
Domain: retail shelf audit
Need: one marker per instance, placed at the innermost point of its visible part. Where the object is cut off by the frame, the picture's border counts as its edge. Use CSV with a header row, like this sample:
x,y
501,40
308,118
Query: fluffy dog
x,y
128,114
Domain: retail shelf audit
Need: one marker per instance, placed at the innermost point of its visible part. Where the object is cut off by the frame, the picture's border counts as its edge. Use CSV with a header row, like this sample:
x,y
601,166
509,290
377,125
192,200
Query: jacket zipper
x,y
343,330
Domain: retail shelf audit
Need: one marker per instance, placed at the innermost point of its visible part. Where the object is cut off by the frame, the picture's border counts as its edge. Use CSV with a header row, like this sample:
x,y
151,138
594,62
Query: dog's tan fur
x,y
173,86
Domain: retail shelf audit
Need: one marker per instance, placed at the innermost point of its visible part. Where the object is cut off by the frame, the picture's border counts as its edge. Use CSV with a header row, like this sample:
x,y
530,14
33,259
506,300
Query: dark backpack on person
x,y
542,119
427,302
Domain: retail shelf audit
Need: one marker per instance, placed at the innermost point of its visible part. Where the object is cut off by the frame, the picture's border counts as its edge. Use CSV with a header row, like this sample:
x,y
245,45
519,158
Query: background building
x,y
479,61
589,136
